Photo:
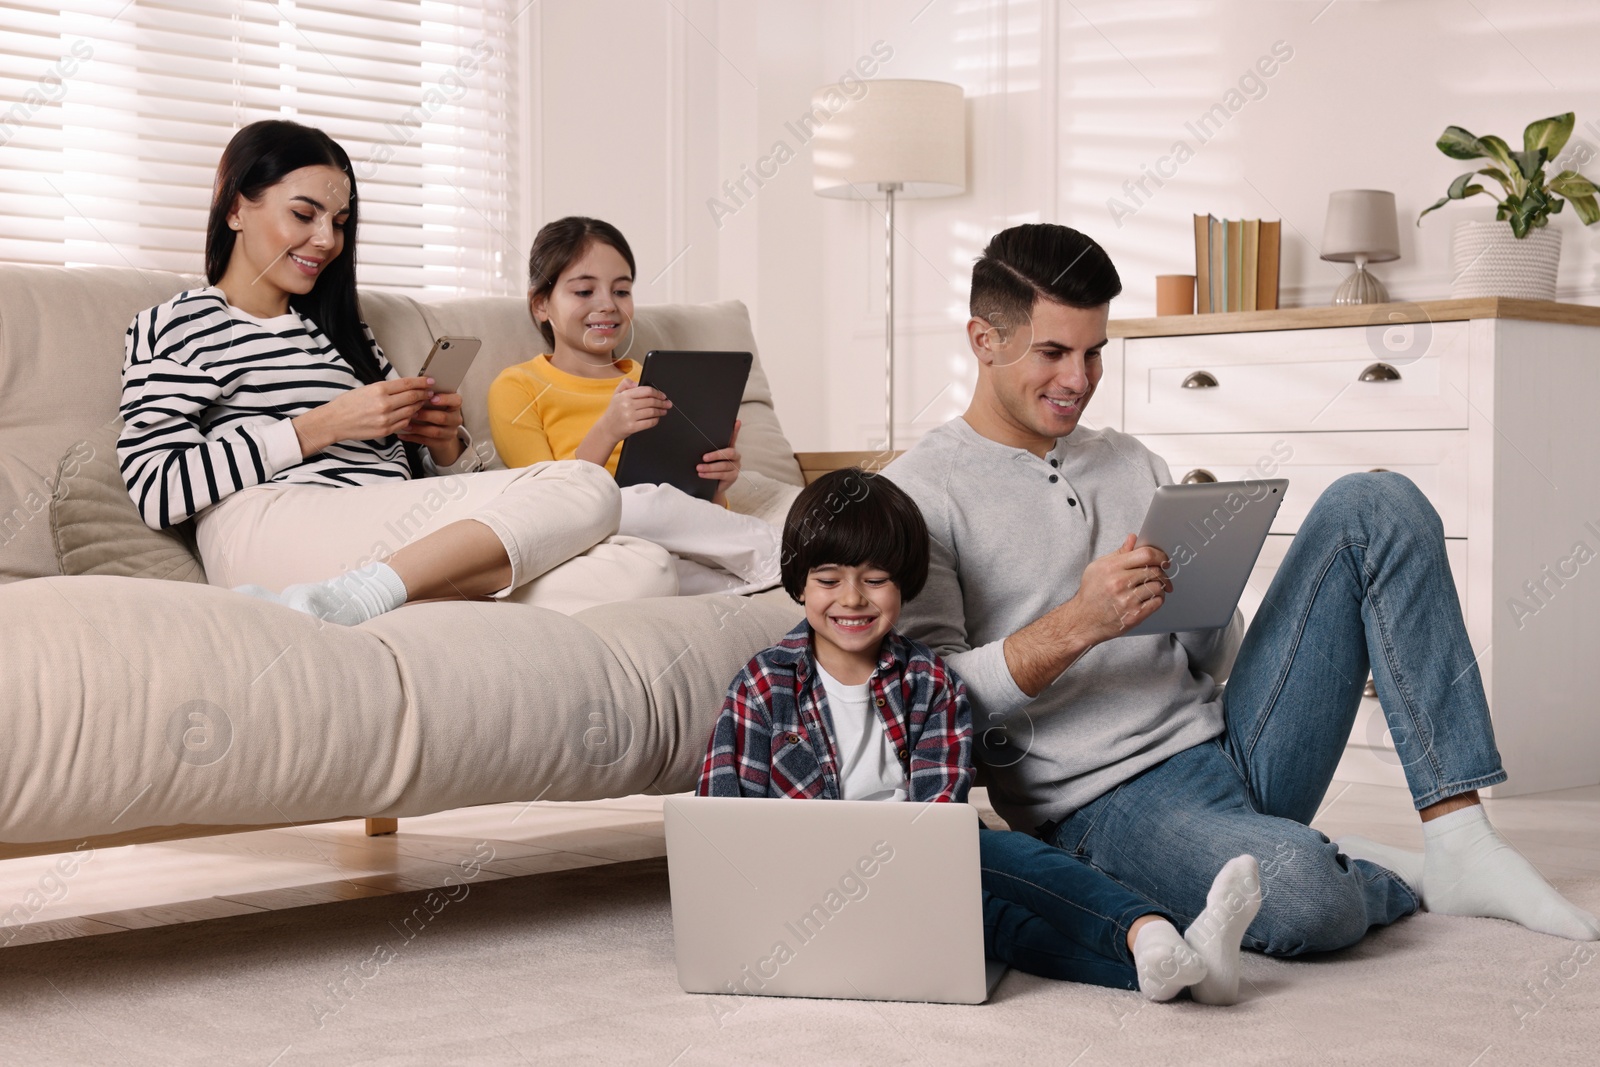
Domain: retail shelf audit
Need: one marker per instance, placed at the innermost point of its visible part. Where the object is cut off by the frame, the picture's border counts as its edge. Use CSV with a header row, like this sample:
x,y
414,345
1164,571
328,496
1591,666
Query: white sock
x,y
1232,903
349,599
1469,869
1402,861
1164,960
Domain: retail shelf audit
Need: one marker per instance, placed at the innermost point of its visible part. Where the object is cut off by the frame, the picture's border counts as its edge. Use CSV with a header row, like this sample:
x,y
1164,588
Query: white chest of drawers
x,y
1491,406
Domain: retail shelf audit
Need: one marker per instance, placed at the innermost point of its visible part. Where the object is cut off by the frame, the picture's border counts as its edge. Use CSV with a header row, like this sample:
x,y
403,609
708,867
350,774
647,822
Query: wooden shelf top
x,y
1310,318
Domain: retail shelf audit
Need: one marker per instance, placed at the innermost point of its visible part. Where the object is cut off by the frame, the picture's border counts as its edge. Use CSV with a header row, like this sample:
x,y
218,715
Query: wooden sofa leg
x,y
378,827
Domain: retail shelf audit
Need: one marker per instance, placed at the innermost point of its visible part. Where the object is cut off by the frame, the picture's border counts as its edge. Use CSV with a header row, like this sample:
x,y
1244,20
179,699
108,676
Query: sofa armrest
x,y
814,465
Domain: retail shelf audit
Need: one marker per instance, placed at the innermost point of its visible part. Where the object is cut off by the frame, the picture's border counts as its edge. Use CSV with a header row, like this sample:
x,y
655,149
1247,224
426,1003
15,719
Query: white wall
x,y
1066,103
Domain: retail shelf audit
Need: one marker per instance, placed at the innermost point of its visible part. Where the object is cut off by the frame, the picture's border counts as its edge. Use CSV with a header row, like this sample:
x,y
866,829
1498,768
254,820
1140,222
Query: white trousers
x,y
714,550
558,522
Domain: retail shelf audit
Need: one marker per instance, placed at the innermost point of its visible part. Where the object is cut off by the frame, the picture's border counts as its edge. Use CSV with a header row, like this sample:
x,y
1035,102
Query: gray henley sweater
x,y
1011,534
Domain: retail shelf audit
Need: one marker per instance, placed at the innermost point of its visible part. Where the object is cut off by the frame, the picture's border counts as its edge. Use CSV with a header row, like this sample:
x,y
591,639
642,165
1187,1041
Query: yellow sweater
x,y
538,412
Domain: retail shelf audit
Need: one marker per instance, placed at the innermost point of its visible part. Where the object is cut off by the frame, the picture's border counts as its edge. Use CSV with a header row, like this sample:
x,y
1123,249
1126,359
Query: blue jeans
x,y
1365,584
1054,915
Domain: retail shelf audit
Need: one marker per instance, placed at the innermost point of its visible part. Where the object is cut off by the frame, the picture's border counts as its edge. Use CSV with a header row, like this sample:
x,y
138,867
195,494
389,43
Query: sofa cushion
x,y
237,711
61,336
96,528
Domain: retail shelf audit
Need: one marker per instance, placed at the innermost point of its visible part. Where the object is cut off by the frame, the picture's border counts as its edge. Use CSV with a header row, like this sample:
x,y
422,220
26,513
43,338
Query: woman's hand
x,y
368,413
435,424
722,466
633,407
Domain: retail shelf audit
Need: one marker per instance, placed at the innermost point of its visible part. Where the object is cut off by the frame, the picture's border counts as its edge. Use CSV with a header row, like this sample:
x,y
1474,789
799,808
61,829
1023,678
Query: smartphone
x,y
448,362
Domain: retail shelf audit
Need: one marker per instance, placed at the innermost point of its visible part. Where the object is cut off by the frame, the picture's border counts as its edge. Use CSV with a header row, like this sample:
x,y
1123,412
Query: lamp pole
x,y
888,189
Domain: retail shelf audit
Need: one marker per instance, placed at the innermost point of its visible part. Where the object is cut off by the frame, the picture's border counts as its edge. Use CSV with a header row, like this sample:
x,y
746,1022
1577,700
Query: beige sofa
x,y
137,709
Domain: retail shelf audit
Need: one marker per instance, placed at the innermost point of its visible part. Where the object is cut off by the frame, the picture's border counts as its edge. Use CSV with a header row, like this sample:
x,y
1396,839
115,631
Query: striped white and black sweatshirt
x,y
207,395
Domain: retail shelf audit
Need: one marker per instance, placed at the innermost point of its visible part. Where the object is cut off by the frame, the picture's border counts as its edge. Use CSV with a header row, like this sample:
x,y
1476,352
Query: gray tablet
x,y
705,389
1212,532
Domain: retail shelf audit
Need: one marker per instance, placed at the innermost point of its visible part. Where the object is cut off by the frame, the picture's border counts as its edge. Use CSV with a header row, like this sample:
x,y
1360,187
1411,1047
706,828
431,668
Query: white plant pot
x,y
1489,260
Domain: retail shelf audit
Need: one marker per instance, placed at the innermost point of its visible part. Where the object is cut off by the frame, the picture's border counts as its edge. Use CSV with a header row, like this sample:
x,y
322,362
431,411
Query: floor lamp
x,y
897,138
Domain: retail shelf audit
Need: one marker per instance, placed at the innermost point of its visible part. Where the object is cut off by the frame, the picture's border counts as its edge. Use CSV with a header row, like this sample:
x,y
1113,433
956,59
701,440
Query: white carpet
x,y
577,967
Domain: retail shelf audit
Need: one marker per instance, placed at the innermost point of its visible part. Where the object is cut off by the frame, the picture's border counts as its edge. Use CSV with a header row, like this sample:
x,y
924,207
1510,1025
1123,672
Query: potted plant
x,y
1516,255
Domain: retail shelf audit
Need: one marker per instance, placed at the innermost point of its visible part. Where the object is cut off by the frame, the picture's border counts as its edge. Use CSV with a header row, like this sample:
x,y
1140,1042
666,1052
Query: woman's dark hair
x,y
850,517
259,157
560,242
1040,259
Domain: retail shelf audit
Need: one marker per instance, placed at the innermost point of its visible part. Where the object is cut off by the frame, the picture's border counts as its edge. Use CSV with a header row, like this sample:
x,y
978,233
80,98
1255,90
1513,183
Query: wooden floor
x,y
140,886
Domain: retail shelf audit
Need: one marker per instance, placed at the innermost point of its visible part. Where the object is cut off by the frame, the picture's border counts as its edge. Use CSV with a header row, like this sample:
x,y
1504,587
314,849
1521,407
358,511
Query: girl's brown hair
x,y
560,242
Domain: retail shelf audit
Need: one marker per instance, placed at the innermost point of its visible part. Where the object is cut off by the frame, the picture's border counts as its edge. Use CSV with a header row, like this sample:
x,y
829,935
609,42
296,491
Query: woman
x,y
262,407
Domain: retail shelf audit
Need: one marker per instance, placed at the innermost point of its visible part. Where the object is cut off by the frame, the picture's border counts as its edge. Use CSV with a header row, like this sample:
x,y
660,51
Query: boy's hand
x,y
723,466
1121,590
633,407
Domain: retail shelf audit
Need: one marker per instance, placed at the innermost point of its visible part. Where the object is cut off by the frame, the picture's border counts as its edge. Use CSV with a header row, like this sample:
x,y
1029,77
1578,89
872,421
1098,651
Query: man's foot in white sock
x,y
1232,903
349,599
1402,861
1164,960
1469,869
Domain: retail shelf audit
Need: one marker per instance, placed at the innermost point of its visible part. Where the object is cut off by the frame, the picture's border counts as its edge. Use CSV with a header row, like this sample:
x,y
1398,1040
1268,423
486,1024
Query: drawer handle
x,y
1371,689
1199,474
1380,372
1200,380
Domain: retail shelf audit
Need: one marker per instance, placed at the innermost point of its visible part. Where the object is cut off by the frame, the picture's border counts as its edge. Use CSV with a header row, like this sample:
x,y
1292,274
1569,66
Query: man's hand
x,y
1116,593
1121,590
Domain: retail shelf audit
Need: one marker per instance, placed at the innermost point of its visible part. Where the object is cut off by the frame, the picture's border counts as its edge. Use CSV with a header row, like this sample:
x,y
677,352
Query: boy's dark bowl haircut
x,y
1040,260
850,517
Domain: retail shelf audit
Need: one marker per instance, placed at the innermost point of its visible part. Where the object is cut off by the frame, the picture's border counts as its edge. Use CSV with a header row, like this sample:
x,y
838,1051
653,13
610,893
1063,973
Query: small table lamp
x,y
1361,229
898,138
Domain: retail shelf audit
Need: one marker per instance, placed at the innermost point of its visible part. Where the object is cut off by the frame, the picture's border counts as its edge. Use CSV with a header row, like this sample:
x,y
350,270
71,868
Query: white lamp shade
x,y
1361,223
906,132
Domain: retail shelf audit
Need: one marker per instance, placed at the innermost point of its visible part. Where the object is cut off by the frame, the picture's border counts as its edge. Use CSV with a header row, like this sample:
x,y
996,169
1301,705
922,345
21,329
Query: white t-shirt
x,y
868,769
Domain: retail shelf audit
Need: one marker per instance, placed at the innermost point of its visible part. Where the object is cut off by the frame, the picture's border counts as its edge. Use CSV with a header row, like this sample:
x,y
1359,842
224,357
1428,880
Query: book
x,y
1267,266
1202,264
1234,270
1249,282
1215,246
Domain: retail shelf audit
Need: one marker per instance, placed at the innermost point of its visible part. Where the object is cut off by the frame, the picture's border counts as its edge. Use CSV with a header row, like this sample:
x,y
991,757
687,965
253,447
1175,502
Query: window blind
x,y
113,115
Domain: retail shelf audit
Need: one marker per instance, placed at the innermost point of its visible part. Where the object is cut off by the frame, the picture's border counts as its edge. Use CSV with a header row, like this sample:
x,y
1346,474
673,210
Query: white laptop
x,y
868,900
1212,533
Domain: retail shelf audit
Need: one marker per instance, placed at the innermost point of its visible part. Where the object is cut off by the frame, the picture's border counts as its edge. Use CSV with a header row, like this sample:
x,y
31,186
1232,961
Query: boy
x,y
846,708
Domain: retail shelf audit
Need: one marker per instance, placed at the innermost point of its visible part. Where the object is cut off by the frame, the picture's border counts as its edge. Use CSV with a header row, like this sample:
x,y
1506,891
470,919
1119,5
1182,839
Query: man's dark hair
x,y
1040,259
851,517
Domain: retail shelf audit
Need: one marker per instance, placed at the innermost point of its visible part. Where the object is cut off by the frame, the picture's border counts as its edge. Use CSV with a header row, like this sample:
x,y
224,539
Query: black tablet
x,y
705,389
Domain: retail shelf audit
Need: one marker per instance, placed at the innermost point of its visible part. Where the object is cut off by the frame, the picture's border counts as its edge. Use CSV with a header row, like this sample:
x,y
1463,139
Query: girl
x,y
262,407
581,400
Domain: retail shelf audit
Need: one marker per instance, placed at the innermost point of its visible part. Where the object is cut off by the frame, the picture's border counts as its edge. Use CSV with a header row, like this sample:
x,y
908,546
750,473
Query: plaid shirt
x,y
773,739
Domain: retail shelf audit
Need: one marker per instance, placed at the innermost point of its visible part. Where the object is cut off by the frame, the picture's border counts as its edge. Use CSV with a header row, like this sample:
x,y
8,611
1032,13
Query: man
x,y
1122,749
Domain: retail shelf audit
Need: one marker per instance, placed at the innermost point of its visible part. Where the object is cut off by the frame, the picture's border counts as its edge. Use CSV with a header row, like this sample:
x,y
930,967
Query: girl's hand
x,y
723,466
435,424
633,407
367,413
